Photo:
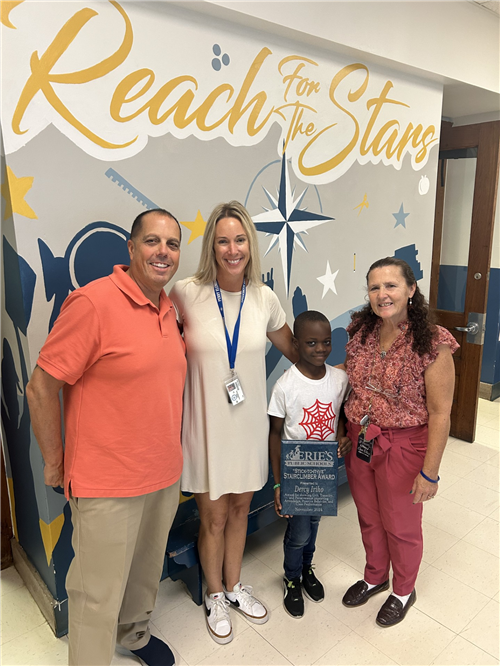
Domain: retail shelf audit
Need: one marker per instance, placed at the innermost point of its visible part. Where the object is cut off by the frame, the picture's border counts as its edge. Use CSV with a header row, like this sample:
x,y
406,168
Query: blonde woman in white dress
x,y
228,315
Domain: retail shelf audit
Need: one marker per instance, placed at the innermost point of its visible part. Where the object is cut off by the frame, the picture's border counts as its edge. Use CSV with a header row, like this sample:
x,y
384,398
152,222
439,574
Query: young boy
x,y
299,389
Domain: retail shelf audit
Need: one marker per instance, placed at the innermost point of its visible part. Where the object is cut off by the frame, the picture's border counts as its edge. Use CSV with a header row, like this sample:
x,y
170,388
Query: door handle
x,y
475,328
472,328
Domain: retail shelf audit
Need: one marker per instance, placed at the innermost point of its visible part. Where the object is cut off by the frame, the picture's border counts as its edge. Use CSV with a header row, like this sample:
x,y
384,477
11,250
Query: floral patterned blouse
x,y
393,384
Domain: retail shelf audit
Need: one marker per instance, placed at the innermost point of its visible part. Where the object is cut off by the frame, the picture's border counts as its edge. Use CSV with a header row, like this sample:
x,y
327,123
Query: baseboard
x,y
485,391
55,613
495,391
489,391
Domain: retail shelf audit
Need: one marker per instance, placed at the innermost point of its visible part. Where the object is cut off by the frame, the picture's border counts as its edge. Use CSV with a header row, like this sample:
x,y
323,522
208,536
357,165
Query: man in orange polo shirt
x,y
116,352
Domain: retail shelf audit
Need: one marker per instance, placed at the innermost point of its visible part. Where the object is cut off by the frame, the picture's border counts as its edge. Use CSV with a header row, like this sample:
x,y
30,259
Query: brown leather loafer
x,y
393,611
358,594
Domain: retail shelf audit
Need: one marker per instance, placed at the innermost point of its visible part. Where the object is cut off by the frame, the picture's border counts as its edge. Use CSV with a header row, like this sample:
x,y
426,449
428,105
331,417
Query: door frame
x,y
486,137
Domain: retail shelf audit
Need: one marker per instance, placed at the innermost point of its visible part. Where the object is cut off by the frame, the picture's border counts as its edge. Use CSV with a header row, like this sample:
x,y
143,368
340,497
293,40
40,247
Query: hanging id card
x,y
232,383
234,390
364,449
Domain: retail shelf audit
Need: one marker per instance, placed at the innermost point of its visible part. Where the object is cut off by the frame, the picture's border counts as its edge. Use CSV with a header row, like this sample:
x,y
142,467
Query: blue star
x,y
286,221
400,217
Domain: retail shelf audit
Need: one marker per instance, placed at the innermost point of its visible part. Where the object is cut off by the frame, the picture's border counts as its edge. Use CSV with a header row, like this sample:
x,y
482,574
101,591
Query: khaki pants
x,y
112,583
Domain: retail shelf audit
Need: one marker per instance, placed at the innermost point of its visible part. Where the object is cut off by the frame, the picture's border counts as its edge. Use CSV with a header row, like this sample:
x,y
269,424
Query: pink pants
x,y
391,525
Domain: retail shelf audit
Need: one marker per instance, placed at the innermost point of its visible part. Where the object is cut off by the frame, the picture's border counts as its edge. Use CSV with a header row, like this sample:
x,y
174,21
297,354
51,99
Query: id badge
x,y
364,449
234,390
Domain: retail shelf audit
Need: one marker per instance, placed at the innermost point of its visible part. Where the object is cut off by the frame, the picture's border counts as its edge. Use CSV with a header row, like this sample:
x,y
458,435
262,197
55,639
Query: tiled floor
x,y
454,621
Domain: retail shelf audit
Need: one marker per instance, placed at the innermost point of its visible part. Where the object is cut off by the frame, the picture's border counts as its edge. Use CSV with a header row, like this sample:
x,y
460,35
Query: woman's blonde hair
x,y
207,268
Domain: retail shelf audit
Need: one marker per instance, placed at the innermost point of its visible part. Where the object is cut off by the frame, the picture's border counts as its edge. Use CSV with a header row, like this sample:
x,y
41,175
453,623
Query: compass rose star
x,y
400,217
328,280
286,221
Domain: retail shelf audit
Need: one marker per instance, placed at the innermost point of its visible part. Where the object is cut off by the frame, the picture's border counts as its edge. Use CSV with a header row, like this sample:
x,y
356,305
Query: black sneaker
x,y
293,600
312,587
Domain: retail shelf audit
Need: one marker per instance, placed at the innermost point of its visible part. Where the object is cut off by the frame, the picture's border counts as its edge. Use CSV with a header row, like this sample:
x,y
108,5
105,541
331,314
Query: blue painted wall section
x,y
490,372
451,296
19,280
451,290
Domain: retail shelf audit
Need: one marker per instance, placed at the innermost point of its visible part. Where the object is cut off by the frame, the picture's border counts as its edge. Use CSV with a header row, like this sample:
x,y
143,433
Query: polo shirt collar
x,y
132,290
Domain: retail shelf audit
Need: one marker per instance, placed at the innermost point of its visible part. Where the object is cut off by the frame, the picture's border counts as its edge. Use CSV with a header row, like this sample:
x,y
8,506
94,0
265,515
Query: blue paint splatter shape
x,y
409,253
19,279
91,254
216,49
216,64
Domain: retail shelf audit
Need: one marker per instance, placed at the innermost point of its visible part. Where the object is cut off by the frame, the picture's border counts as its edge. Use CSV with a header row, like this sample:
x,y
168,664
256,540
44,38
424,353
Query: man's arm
x,y
42,392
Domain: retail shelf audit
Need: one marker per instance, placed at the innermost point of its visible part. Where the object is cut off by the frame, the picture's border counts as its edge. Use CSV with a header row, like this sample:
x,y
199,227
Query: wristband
x,y
276,485
428,478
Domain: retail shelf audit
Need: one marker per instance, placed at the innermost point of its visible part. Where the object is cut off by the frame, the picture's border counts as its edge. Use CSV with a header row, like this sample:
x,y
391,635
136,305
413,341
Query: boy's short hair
x,y
304,317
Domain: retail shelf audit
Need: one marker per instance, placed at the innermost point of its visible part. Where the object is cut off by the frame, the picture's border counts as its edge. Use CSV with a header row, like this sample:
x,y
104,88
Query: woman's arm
x,y
282,339
439,385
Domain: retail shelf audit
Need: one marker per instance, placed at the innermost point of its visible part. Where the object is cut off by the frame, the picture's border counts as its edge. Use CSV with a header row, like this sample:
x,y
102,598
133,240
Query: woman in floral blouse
x,y
401,370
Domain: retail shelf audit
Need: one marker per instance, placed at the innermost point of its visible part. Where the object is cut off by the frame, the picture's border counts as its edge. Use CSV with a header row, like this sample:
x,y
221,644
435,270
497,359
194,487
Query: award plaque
x,y
309,478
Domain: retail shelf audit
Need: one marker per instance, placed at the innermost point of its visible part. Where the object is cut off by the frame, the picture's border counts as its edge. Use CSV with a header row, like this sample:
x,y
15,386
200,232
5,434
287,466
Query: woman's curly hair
x,y
420,324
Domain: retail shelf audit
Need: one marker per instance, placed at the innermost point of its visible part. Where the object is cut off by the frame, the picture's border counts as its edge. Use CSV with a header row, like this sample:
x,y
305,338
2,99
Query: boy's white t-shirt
x,y
310,407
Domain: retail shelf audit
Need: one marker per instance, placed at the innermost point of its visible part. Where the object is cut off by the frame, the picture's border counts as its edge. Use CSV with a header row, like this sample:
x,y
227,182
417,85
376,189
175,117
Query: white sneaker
x,y
242,600
217,617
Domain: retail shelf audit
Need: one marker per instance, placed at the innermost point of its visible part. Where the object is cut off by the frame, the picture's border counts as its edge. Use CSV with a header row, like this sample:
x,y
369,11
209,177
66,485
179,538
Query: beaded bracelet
x,y
428,478
276,485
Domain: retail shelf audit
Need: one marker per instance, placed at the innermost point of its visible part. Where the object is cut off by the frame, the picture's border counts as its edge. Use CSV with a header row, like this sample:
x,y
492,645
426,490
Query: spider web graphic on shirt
x,y
318,421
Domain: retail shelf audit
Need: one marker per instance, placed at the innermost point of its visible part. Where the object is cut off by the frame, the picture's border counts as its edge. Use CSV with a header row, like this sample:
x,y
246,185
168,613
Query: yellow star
x,y
6,7
14,190
183,498
197,227
50,534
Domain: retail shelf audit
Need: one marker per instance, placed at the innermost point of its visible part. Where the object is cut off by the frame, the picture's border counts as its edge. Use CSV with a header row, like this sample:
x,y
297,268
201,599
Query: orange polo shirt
x,y
124,365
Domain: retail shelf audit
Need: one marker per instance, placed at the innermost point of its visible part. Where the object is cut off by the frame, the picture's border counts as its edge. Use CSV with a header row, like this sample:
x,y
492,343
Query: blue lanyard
x,y
231,346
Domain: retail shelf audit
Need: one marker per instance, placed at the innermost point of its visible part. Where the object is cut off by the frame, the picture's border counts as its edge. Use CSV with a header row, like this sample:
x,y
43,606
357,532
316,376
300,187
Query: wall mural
x,y
327,122
334,159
